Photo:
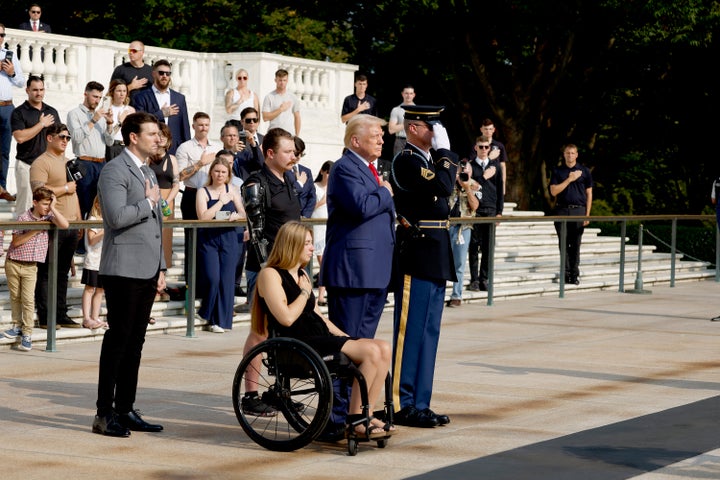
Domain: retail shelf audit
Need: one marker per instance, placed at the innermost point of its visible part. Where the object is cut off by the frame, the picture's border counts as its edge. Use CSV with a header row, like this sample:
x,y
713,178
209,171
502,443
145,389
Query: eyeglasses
x,y
483,147
164,73
250,120
34,11
242,78
133,50
67,138
2,35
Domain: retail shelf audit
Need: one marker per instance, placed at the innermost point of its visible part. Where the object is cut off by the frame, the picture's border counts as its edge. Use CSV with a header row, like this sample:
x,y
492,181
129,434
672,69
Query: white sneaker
x,y
217,329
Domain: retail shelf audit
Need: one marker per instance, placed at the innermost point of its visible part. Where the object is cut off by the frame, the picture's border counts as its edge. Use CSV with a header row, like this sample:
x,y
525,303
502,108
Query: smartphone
x,y
105,103
222,215
242,135
9,56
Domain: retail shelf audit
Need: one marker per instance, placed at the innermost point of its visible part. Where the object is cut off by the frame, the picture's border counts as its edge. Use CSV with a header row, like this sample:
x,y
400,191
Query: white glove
x,y
440,137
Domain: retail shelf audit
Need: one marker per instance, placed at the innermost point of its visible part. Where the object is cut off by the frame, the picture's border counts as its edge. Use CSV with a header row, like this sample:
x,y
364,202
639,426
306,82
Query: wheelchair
x,y
297,383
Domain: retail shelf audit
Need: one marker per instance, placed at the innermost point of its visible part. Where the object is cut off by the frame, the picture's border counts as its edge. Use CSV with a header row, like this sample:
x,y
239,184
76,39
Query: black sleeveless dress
x,y
309,327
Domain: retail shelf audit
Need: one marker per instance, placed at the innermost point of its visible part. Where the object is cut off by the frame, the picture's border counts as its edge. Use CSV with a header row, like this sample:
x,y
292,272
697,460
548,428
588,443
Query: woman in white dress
x,y
321,211
119,103
239,98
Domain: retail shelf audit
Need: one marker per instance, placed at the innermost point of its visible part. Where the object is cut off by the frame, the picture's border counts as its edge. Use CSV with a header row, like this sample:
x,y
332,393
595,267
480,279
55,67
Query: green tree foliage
x,y
629,82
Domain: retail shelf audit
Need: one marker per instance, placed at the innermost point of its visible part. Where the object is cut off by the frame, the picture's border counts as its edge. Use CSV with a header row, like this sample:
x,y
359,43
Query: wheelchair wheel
x,y
292,379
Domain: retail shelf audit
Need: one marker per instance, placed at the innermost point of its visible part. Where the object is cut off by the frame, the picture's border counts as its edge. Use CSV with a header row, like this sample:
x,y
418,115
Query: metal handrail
x,y
493,221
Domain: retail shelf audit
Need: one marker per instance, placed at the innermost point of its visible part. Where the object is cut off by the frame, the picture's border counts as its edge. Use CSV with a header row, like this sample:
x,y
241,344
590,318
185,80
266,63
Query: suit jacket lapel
x,y
364,169
134,170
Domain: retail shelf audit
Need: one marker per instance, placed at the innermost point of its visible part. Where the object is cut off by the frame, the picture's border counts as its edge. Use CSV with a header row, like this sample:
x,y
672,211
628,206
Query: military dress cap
x,y
429,114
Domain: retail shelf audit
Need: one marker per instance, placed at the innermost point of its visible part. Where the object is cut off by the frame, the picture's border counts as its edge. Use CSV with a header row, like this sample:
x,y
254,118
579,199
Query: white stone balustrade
x,y
67,63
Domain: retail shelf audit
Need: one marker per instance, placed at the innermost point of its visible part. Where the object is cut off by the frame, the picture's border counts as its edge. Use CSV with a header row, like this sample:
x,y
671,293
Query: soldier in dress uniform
x,y
422,179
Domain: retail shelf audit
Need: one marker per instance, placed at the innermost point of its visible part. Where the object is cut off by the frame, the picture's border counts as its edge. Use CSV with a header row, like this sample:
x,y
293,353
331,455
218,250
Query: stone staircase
x,y
526,265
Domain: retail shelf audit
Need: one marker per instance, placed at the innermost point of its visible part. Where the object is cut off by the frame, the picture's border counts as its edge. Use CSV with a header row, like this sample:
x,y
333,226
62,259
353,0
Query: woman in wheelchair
x,y
284,300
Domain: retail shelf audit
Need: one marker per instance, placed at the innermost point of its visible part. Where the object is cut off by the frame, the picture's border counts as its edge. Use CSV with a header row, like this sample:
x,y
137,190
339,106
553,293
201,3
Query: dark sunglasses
x,y
163,73
250,120
134,50
34,11
67,138
2,35
242,78
484,147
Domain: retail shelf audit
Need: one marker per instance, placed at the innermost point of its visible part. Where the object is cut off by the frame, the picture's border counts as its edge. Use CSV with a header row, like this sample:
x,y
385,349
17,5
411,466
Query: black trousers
x,y
67,243
574,239
129,302
189,212
480,243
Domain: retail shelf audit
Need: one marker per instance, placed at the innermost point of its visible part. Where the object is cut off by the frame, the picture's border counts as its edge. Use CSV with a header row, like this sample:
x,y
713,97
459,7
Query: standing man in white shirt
x,y
397,117
280,107
194,158
166,104
10,76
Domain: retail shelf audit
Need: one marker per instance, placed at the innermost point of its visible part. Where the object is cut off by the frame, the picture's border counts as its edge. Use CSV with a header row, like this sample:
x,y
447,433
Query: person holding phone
x,y
10,76
218,248
91,127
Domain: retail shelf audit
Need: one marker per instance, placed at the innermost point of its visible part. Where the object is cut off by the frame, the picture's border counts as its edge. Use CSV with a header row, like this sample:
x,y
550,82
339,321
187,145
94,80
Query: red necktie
x,y
35,26
374,171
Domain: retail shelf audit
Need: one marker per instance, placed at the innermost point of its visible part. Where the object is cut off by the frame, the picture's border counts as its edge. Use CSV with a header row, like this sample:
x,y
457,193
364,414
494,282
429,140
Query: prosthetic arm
x,y
254,202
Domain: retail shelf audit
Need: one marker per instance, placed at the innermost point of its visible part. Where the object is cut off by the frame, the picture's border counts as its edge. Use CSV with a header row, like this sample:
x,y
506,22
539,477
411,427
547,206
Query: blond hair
x,y
358,124
285,254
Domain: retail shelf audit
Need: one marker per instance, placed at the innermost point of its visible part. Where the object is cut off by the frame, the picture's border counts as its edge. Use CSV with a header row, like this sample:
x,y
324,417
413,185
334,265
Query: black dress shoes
x,y
412,417
440,419
109,426
133,421
68,322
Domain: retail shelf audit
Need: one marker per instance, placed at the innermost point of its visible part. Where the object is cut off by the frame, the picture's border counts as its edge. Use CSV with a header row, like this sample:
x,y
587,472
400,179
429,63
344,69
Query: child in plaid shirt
x,y
26,249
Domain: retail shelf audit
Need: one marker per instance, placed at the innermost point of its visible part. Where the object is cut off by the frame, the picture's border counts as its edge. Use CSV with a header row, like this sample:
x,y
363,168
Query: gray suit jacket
x,y
132,244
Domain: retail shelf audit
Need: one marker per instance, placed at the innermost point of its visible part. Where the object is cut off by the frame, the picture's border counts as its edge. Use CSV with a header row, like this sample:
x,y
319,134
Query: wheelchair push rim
x,y
292,379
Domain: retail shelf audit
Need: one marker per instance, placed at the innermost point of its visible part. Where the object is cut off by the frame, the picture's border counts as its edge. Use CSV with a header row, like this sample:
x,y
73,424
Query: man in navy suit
x,y
360,237
34,24
165,103
303,178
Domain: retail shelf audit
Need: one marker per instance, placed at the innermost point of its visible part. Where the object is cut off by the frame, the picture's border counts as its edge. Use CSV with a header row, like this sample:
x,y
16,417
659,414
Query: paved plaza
x,y
599,385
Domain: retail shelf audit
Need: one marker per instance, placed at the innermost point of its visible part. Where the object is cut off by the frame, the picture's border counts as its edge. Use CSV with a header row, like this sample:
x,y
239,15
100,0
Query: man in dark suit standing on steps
x,y
166,104
132,269
34,24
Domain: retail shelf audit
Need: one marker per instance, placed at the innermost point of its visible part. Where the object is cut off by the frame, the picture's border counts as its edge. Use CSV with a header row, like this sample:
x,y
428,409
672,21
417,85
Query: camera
x,y
464,177
72,167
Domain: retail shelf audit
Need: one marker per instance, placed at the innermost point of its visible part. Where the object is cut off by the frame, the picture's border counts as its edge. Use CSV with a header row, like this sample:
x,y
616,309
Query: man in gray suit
x,y
132,270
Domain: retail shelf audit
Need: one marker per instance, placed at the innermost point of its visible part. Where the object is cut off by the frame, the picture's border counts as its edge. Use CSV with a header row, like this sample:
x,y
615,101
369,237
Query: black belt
x,y
191,189
571,206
